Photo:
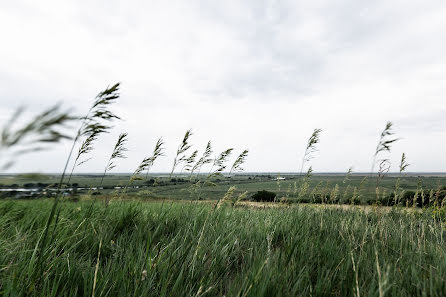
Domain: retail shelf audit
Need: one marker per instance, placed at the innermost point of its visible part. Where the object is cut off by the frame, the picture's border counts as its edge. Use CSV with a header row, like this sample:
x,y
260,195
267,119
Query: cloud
x,y
257,74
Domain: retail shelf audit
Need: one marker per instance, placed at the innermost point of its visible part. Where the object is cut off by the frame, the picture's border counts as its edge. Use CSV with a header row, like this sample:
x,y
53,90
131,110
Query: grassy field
x,y
159,186
194,249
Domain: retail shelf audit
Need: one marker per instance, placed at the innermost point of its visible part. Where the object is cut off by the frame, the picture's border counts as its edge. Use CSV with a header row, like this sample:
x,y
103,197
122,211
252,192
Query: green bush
x,y
264,196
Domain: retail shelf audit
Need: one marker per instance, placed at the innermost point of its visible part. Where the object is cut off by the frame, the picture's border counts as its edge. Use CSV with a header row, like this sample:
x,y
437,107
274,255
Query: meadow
x,y
198,249
160,186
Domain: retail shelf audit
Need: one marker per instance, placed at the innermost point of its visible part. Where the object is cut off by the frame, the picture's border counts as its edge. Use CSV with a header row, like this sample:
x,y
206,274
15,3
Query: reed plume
x,y
85,148
148,162
189,161
182,148
94,123
47,127
334,194
384,167
239,161
347,179
385,142
386,139
158,151
310,148
229,196
348,175
205,159
219,164
402,167
118,153
305,185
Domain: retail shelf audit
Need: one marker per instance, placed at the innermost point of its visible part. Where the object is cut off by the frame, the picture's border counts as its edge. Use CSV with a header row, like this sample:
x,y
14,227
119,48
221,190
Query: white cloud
x,y
255,74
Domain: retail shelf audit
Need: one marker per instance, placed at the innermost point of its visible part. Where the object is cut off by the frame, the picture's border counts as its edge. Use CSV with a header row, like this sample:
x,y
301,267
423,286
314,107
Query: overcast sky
x,y
245,74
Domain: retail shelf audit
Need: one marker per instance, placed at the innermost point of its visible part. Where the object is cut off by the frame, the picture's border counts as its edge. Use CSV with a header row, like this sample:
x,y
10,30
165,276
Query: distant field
x,y
194,249
160,186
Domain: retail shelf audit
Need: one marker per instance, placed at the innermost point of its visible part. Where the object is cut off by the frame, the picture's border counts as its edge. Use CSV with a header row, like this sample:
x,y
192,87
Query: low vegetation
x,y
183,249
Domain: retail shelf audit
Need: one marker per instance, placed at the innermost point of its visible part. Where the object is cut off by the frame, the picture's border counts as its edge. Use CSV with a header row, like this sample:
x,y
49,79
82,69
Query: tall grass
x,y
131,249
92,123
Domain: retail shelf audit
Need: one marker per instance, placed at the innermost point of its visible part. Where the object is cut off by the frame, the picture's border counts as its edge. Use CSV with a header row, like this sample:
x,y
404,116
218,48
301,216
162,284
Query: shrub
x,y
264,196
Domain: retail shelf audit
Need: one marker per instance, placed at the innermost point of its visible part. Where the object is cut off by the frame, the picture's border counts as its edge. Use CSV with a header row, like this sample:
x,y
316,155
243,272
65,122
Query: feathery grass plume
x,y
240,198
325,191
228,197
334,194
315,192
195,190
143,166
384,167
417,193
205,159
85,148
91,123
148,162
182,148
305,185
385,142
237,166
118,153
219,164
189,161
158,151
348,175
402,167
345,195
45,128
95,123
403,164
311,148
347,179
